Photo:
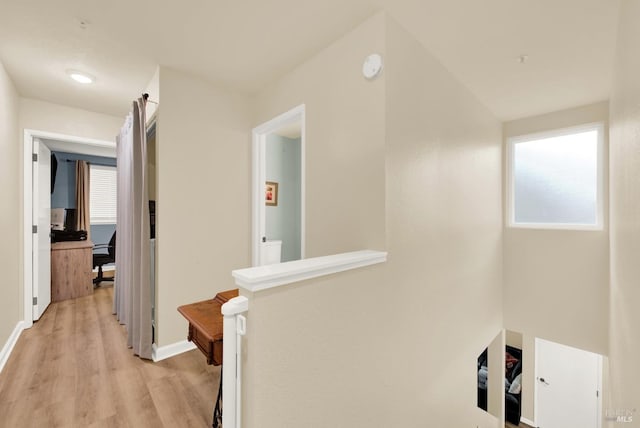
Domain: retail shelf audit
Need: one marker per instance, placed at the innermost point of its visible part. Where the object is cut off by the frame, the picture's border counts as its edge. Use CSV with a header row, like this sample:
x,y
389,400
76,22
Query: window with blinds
x,y
102,189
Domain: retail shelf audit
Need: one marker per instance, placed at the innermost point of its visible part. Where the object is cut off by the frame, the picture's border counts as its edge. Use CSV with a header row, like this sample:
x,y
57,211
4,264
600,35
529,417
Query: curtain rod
x,y
146,98
91,163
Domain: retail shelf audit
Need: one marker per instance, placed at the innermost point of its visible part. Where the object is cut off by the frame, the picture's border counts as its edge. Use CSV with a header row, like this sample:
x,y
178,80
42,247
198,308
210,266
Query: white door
x,y
42,238
567,386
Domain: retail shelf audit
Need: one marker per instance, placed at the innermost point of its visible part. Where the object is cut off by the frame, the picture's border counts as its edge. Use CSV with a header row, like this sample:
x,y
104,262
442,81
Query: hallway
x,y
73,369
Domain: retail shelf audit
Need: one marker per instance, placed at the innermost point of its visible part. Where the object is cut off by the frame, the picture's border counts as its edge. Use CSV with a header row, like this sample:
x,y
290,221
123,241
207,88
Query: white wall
x,y
344,142
10,219
45,116
625,220
556,281
203,195
528,346
153,89
514,339
444,235
395,344
495,381
311,359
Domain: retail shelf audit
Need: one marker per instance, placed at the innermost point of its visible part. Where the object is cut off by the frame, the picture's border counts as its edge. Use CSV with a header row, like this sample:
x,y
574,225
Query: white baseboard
x,y
168,351
11,342
528,422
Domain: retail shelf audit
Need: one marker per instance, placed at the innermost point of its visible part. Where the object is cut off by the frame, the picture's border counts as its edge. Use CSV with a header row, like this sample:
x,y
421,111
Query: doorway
x,y
568,386
278,213
36,240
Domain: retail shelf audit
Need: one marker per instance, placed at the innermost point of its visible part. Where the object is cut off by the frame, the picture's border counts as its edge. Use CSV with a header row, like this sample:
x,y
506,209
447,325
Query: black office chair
x,y
101,259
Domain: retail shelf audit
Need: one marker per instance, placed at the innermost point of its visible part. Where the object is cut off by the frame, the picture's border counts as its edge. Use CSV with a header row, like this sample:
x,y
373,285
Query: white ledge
x,y
264,277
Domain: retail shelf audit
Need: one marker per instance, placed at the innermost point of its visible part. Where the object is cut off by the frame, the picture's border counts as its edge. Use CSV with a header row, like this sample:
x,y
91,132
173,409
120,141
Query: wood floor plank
x,y
73,369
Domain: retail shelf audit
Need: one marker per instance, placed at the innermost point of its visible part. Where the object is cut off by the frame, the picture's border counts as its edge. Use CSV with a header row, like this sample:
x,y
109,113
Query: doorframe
x,y
259,139
535,381
27,206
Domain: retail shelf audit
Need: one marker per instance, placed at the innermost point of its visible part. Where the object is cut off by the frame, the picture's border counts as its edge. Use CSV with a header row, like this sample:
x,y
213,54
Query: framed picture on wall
x,y
271,193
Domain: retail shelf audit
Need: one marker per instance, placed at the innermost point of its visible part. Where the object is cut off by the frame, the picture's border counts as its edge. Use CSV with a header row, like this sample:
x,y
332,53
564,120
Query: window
x,y
555,179
102,189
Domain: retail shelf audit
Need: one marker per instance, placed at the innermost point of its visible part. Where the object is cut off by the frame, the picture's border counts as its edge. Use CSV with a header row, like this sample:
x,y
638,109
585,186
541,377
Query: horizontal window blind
x,y
103,194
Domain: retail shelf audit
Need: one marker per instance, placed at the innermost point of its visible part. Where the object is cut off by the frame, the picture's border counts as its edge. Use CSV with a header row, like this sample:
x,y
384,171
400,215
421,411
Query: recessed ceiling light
x,y
81,77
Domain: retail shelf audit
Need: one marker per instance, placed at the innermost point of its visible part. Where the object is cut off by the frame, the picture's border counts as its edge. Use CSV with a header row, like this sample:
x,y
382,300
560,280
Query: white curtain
x,y
132,294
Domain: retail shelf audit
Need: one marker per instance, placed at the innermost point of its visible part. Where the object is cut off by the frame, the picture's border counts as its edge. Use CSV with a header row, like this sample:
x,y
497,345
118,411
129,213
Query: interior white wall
x,y
10,218
514,339
203,172
556,281
49,117
345,129
527,409
395,344
624,340
153,89
495,381
318,351
527,345
444,236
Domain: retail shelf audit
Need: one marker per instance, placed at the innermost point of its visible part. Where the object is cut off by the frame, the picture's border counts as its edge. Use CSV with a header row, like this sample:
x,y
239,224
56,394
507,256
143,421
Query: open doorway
x,y
37,220
279,189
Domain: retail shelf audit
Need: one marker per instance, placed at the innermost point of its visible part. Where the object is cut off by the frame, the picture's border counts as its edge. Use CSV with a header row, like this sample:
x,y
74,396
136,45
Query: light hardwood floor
x,y
73,369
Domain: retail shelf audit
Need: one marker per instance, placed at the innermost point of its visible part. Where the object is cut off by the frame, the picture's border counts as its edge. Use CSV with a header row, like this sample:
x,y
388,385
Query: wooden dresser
x,y
206,324
206,327
71,270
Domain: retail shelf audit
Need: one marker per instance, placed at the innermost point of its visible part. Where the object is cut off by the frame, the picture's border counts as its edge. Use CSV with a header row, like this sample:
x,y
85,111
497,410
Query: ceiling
x,y
244,45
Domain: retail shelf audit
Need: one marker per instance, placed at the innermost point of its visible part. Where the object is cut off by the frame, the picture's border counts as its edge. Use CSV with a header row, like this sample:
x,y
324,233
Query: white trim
x,y
536,341
259,137
72,139
528,422
27,207
264,277
235,326
11,343
509,215
168,351
237,305
554,226
257,210
599,409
